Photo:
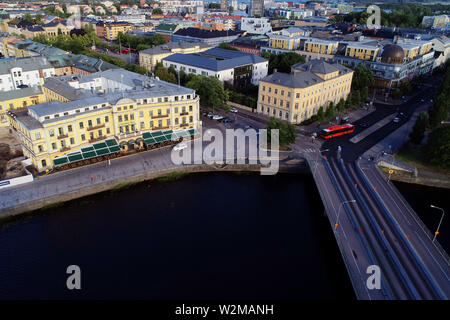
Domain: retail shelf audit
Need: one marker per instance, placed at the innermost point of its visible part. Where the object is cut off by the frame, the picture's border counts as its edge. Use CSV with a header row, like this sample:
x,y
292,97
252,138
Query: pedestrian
x,y
92,178
109,162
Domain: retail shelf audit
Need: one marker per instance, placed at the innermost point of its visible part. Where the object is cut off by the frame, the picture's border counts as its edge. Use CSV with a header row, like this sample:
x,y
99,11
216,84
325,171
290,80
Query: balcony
x,y
184,125
65,149
96,139
184,113
160,128
63,136
160,116
96,127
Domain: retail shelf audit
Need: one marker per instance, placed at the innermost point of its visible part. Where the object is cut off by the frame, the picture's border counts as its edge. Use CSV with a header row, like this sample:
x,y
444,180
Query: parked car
x,y
396,120
217,117
180,146
227,120
234,110
210,115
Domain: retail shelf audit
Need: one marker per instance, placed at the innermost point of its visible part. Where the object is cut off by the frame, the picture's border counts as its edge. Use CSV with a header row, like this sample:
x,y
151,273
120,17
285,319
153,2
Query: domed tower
x,y
392,53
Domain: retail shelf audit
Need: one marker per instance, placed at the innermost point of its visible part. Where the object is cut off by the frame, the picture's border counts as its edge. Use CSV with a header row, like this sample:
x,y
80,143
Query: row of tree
x,y
402,15
140,43
437,148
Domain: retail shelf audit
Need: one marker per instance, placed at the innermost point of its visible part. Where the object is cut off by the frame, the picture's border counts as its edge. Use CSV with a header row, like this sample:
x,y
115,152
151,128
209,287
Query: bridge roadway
x,y
379,227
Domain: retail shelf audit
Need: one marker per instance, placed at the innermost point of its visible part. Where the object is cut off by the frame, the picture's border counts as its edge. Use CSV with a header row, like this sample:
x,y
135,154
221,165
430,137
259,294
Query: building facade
x,y
234,67
297,96
54,131
150,57
30,71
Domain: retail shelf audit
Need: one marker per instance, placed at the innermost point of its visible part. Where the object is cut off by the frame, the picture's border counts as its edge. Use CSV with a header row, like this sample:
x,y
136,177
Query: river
x,y
205,236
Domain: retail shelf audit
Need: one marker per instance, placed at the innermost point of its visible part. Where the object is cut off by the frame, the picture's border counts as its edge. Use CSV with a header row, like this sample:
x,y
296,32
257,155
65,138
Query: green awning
x,y
98,149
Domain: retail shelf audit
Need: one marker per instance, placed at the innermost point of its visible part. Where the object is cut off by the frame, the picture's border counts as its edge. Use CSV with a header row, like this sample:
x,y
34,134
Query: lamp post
x,y
440,222
339,210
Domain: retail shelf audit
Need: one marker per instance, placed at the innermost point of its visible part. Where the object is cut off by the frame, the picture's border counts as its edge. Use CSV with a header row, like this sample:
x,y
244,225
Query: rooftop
x,y
216,59
20,93
26,64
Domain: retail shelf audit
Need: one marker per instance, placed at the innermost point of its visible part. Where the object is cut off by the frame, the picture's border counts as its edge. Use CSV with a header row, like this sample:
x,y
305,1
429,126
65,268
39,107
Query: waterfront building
x,y
113,110
29,71
234,67
19,99
150,57
297,96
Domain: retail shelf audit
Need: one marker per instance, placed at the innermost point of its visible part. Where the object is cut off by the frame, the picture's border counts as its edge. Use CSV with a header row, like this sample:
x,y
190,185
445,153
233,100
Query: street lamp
x,y
439,225
317,159
339,210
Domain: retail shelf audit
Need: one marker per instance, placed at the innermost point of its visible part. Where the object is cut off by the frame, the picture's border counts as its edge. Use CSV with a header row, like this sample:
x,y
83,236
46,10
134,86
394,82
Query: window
x,y
44,163
131,116
40,148
98,120
89,123
72,140
100,132
142,125
191,119
51,132
106,119
176,109
81,125
69,128
54,146
190,108
120,118
38,135
176,121
151,124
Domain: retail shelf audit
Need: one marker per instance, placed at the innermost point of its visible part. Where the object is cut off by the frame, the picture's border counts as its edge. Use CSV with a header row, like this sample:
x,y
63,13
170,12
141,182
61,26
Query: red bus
x,y
337,130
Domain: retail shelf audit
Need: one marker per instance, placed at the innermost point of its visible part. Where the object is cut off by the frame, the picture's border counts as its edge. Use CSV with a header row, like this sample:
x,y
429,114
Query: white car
x,y
396,120
234,110
217,117
180,146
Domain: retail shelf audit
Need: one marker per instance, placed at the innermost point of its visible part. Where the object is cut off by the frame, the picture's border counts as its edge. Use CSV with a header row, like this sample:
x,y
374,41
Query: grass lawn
x,y
415,156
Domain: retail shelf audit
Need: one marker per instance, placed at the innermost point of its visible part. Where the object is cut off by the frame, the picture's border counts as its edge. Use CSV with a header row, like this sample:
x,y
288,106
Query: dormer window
x,y
86,109
56,116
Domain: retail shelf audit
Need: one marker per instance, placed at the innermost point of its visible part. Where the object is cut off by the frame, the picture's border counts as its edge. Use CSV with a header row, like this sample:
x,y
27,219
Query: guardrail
x,y
401,234
386,244
354,223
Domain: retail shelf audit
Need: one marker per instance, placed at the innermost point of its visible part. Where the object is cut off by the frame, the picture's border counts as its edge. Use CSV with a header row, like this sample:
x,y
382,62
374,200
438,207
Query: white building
x,y
256,25
234,67
28,71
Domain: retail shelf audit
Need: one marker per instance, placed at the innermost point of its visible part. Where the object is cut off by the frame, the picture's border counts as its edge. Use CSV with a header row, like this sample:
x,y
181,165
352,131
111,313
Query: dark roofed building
x,y
213,37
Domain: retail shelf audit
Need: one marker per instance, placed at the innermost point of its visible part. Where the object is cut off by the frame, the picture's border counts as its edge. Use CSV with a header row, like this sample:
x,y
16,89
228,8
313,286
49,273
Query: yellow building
x,y
362,51
415,48
18,99
70,133
320,46
297,96
111,30
284,42
150,57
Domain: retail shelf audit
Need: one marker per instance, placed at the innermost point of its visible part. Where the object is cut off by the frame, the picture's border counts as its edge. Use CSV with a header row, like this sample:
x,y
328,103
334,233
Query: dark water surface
x,y
205,236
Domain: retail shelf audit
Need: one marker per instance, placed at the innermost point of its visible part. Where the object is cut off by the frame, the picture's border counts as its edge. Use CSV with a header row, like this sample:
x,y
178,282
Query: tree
x,y
438,147
329,113
164,74
362,78
210,90
226,46
282,62
320,114
157,11
341,105
419,128
287,131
